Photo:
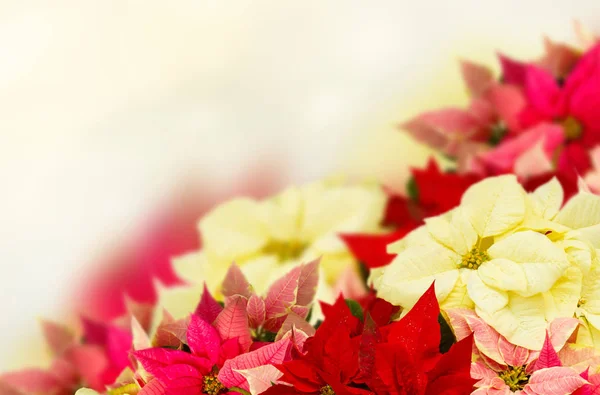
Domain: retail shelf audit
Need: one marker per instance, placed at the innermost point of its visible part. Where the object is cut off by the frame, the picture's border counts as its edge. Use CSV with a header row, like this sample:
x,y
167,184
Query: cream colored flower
x,y
267,238
493,253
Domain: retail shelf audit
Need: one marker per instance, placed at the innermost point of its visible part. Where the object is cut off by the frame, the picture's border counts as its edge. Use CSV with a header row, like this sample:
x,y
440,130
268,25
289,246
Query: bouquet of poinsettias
x,y
483,278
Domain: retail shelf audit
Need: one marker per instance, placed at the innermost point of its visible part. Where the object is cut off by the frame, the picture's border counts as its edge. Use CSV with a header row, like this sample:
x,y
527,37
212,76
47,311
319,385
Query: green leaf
x,y
412,189
355,309
240,390
448,338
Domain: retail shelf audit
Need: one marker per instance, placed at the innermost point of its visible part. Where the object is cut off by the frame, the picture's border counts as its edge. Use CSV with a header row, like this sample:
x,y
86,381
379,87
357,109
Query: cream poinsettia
x,y
267,238
497,253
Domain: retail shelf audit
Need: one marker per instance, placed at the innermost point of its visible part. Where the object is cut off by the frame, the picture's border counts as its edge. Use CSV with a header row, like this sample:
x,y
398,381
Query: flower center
x,y
327,390
581,301
474,258
285,250
212,385
123,390
572,127
515,377
497,133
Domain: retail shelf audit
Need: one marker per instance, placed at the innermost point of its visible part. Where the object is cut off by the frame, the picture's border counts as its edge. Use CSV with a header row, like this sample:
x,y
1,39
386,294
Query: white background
x,y
105,105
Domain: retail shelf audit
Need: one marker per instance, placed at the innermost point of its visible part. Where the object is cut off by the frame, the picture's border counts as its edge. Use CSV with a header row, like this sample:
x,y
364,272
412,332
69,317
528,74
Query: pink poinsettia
x,y
217,354
96,360
504,368
460,133
287,302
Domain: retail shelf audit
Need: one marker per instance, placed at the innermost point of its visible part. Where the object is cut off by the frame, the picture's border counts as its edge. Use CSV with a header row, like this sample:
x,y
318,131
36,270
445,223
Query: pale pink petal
x,y
268,355
297,337
32,381
235,283
143,312
486,338
478,78
559,59
302,311
508,102
90,362
232,322
350,285
141,340
554,381
260,378
293,320
203,339
512,355
282,294
533,162
483,373
256,311
503,157
440,128
58,337
560,330
459,322
178,328
307,283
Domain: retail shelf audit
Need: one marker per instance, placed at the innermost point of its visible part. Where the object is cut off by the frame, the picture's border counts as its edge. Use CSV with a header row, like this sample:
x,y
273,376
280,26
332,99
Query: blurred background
x,y
111,108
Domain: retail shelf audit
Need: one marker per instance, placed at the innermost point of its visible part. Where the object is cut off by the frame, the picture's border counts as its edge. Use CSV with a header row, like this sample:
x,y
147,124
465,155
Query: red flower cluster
x,y
348,355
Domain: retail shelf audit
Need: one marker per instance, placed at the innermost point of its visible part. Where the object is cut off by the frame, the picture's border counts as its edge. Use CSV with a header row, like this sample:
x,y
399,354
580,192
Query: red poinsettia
x,y
433,192
350,356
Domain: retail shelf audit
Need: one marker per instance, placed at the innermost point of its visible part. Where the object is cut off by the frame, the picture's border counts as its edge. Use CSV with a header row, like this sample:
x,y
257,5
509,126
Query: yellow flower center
x,y
515,377
327,390
581,302
474,258
212,385
572,127
285,250
125,389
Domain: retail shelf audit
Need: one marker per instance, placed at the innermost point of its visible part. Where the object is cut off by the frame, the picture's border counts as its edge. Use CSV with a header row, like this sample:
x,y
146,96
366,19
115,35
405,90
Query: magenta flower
x,y
218,356
574,107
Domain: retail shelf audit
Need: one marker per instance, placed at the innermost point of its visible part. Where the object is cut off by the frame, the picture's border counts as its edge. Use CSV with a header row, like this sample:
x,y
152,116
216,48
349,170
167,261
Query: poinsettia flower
x,y
350,356
558,60
491,253
216,352
572,107
504,368
292,294
268,238
406,355
464,133
96,360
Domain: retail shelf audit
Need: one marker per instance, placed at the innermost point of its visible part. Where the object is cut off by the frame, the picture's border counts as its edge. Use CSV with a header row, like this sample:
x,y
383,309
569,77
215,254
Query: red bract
x,y
436,193
347,356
